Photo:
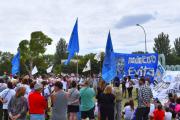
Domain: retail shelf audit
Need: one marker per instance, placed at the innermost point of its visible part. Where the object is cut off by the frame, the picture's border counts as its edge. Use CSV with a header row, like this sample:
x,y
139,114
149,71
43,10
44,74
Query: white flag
x,y
98,57
49,69
87,67
34,71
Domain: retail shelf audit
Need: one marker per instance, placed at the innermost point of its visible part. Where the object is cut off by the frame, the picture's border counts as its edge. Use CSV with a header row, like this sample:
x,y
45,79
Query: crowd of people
x,y
69,98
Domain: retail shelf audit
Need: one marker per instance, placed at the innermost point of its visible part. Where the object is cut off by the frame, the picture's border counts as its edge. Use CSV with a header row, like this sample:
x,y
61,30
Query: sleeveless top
x,y
59,110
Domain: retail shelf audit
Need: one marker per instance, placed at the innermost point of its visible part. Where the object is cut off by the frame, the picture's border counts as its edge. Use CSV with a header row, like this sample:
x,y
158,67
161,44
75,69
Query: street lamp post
x,y
144,35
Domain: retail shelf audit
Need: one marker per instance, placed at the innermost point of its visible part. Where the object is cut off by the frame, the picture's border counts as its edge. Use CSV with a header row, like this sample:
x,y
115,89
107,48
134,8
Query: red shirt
x,y
37,103
159,114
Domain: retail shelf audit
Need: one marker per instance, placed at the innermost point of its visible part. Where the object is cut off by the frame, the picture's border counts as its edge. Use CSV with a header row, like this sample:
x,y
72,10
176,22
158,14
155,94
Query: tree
x,y
5,62
34,49
162,44
61,49
177,46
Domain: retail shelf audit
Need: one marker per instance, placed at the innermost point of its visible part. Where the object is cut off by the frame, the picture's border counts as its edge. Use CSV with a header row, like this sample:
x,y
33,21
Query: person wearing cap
x,y
37,103
87,106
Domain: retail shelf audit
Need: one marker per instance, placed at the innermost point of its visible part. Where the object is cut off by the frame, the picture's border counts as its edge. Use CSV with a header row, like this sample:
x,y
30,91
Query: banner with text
x,y
140,64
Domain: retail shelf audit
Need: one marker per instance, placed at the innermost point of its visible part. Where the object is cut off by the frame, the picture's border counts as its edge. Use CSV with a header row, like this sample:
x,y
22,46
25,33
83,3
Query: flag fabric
x,y
109,63
34,71
73,46
49,69
87,67
16,64
159,72
98,57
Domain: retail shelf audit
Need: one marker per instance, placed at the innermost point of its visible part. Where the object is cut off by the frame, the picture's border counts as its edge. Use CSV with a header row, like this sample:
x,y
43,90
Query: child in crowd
x,y
128,110
159,113
168,114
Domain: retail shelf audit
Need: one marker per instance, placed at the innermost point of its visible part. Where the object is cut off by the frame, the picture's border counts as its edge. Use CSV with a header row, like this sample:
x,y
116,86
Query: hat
x,y
38,86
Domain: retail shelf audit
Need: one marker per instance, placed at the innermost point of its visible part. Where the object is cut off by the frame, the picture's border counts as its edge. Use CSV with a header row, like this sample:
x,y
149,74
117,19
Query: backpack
x,y
118,94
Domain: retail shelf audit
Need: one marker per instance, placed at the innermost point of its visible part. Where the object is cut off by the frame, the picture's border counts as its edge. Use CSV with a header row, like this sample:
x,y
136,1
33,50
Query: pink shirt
x,y
177,108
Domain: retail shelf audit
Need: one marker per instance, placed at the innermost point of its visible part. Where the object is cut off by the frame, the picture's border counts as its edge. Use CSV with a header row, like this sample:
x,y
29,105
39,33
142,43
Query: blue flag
x,y
109,63
16,63
73,45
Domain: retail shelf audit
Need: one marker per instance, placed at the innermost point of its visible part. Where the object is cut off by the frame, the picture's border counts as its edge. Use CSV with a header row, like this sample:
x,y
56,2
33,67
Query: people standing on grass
x,y
144,98
124,87
5,97
37,103
87,105
18,105
118,98
73,101
100,90
60,102
129,86
129,110
107,100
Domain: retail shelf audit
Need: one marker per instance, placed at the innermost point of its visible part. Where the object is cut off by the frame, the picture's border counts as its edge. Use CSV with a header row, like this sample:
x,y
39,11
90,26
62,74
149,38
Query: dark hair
x,y
10,85
166,109
178,100
32,84
136,76
170,95
58,84
116,82
129,77
131,103
142,79
1,80
159,107
73,84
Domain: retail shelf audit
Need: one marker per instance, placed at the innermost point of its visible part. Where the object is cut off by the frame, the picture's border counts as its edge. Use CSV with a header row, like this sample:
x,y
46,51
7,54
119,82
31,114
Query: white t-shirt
x,y
168,116
7,94
128,112
64,84
152,108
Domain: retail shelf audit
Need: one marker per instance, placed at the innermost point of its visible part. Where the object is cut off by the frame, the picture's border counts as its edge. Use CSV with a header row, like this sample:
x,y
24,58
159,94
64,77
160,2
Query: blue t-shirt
x,y
87,95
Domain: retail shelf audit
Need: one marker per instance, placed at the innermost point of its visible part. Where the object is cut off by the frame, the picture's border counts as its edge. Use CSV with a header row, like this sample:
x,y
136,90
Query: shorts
x,y
88,114
73,108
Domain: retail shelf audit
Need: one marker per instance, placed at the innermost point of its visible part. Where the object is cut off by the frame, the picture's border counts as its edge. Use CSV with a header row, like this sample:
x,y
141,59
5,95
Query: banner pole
x,y
77,68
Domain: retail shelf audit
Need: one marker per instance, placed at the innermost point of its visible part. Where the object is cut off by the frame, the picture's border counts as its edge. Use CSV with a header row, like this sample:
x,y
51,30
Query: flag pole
x,y
77,68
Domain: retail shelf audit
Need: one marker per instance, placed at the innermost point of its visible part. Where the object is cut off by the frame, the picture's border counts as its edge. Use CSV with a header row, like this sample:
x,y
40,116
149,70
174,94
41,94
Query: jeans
x,y
142,113
117,110
37,117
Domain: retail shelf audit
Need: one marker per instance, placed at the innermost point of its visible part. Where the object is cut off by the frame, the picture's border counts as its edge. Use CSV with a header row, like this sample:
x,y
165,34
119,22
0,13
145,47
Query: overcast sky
x,y
56,18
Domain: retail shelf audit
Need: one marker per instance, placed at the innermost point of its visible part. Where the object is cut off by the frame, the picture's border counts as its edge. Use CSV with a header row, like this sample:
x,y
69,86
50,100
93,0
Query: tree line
x,y
33,54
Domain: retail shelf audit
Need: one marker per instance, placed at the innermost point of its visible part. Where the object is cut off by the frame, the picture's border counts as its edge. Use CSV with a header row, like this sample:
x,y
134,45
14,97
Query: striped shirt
x,y
144,96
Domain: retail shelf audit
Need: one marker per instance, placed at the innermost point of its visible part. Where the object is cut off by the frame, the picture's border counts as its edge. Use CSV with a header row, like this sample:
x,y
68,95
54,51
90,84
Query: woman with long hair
x,y
107,104
100,89
129,110
18,106
73,101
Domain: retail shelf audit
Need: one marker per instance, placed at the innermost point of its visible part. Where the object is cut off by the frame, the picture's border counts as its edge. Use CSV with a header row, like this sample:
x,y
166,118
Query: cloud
x,y
131,20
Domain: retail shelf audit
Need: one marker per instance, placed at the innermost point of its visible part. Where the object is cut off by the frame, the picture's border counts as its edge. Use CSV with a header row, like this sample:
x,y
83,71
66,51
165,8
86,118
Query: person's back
x,y
128,112
87,95
168,116
159,113
36,103
59,111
